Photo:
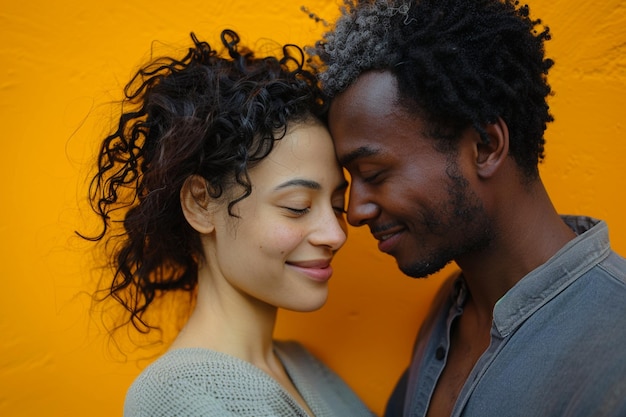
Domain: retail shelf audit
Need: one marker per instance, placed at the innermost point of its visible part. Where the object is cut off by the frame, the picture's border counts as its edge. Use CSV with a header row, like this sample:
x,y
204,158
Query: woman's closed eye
x,y
295,211
339,204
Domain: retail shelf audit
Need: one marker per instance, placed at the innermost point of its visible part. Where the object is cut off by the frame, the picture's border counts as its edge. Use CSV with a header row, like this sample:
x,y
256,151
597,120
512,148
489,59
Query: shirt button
x,y
441,353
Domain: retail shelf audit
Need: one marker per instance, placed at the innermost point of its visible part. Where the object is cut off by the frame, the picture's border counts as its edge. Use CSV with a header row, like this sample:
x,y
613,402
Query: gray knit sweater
x,y
202,382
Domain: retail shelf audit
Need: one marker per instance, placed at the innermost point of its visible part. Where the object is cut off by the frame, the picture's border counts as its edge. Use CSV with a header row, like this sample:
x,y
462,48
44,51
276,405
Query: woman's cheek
x,y
284,238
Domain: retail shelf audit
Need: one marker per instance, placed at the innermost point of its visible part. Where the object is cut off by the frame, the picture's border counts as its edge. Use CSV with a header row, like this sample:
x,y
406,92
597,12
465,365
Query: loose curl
x,y
206,115
458,63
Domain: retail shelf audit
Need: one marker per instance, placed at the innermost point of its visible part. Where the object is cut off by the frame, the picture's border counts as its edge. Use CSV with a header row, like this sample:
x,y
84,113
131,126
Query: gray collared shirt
x,y
558,340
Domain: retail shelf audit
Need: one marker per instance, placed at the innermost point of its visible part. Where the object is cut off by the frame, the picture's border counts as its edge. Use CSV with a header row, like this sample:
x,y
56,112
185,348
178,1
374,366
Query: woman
x,y
226,182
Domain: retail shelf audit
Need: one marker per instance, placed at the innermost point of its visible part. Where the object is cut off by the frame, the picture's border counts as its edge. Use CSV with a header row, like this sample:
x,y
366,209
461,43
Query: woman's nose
x,y
332,231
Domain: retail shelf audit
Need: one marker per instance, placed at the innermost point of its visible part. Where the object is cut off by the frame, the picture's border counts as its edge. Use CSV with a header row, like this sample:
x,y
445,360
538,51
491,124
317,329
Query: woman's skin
x,y
275,254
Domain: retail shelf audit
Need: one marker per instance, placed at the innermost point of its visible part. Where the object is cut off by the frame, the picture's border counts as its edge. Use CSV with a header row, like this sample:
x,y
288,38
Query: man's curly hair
x,y
458,63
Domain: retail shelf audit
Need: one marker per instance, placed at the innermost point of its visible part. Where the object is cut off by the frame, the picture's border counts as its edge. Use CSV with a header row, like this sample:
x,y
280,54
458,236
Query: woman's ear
x,y
490,156
196,202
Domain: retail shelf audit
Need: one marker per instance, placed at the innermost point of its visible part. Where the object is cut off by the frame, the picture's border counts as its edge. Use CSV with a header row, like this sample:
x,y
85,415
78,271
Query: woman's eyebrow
x,y
299,182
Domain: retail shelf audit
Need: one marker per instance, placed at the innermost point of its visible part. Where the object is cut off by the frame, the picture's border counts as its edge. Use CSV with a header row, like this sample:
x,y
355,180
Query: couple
x,y
225,178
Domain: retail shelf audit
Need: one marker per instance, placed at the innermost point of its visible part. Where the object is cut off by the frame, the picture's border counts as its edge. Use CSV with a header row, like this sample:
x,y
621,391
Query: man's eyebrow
x,y
299,182
360,152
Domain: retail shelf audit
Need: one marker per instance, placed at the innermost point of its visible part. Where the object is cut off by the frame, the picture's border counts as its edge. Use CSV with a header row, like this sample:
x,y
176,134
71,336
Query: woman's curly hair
x,y
458,63
205,114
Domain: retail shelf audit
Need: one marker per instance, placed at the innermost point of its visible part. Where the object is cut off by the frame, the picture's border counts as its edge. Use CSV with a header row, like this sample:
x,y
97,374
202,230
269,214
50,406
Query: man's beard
x,y
464,213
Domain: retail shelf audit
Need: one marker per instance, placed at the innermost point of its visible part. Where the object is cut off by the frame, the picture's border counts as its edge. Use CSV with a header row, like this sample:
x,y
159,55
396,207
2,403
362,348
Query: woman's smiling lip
x,y
318,270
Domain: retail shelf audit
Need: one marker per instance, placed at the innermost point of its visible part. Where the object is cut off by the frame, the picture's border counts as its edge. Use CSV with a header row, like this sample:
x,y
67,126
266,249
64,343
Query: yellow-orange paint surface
x,y
61,63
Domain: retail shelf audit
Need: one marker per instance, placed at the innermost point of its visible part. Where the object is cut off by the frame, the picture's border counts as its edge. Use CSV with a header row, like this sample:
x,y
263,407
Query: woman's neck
x,y
230,322
227,321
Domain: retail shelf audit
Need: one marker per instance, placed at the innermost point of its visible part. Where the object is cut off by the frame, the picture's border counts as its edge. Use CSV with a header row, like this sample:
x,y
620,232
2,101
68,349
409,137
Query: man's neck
x,y
529,231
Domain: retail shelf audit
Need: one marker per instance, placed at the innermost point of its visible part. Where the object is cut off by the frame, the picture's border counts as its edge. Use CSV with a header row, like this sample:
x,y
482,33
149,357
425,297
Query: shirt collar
x,y
545,282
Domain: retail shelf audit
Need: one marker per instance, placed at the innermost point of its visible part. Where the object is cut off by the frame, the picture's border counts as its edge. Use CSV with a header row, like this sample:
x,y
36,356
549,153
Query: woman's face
x,y
278,251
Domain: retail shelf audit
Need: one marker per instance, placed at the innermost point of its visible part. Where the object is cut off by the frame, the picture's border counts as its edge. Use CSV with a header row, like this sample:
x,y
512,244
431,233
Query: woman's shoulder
x,y
199,381
188,357
188,366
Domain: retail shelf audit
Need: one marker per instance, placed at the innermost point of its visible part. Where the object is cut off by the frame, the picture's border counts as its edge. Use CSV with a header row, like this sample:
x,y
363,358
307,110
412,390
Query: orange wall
x,y
61,62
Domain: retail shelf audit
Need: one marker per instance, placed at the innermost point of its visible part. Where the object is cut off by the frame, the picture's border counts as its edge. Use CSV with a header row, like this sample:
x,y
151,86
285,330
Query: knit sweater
x,y
202,382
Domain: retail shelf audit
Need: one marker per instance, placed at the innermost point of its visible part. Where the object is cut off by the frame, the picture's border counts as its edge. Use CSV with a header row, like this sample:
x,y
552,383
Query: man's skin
x,y
429,206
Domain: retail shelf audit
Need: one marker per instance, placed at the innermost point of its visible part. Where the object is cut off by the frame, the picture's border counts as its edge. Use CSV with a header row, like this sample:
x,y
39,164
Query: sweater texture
x,y
203,382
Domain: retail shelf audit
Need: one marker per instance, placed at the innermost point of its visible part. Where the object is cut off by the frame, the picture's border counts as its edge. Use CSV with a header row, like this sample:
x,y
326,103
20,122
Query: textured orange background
x,y
62,62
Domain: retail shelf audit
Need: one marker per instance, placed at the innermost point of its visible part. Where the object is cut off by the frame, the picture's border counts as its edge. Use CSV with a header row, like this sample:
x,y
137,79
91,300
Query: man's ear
x,y
196,202
490,156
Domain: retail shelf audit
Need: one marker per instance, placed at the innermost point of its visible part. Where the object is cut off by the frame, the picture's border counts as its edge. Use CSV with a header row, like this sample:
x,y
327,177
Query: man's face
x,y
416,200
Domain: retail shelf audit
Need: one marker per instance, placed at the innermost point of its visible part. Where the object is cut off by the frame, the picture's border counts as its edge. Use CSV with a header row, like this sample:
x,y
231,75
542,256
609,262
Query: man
x,y
438,113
